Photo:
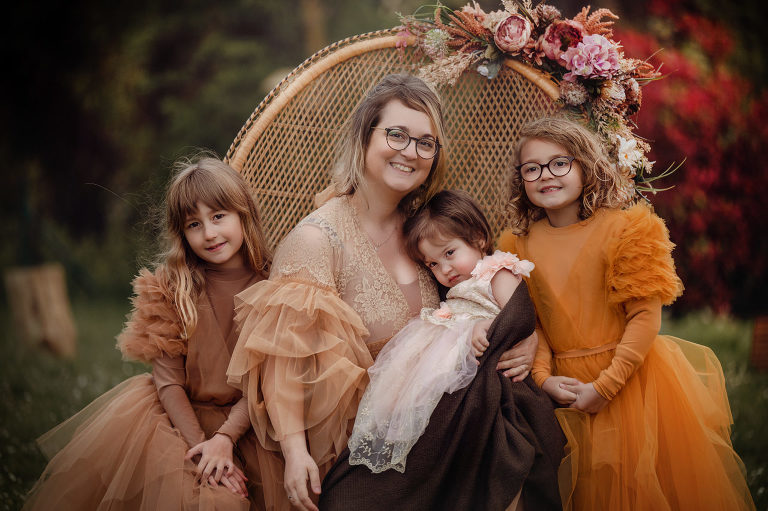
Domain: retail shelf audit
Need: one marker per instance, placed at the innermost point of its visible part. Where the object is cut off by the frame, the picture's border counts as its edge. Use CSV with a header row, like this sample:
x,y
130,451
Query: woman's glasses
x,y
398,139
558,167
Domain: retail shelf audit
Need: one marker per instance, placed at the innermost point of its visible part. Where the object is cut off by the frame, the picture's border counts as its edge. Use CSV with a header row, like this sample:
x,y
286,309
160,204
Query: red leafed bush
x,y
704,112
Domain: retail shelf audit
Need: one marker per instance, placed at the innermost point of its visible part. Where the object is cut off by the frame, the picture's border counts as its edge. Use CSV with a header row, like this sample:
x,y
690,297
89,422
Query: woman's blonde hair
x,y
349,169
220,187
601,178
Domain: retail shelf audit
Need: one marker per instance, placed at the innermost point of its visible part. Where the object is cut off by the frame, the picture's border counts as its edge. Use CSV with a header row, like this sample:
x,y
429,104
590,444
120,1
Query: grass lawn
x,y
40,390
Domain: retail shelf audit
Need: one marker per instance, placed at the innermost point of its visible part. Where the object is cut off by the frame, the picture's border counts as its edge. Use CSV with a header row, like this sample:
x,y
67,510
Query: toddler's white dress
x,y
430,356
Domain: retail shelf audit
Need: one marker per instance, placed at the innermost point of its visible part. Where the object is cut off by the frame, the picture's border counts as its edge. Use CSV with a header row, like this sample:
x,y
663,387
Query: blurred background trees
x,y
102,97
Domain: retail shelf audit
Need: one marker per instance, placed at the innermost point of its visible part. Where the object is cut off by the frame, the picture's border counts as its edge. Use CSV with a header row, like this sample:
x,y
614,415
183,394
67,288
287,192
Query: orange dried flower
x,y
593,23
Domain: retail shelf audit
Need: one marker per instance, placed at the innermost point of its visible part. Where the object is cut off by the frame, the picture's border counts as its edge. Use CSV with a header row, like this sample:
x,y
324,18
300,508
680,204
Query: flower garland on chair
x,y
597,81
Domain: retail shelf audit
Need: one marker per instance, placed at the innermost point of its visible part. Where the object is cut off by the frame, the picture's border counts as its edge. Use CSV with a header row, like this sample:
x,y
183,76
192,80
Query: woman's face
x,y
396,173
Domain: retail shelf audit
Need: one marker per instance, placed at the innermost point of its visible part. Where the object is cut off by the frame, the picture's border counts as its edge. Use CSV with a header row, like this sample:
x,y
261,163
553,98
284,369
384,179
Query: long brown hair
x,y
349,169
218,186
602,180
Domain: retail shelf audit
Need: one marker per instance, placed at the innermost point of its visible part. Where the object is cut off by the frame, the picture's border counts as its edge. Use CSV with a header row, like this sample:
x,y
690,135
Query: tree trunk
x,y
40,306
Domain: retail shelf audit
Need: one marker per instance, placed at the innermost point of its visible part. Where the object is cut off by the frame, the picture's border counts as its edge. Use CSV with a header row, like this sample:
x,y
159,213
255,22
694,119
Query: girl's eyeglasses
x,y
558,167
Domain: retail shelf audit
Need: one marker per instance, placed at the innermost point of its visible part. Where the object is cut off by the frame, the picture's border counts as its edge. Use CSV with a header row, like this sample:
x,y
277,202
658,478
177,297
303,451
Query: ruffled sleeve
x,y
489,265
301,357
153,328
640,263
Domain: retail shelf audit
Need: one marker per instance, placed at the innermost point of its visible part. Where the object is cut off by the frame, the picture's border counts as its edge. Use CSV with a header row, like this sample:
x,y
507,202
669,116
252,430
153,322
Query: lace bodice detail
x,y
329,249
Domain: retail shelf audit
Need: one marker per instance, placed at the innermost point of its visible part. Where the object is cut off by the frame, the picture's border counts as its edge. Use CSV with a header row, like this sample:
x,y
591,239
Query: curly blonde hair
x,y
349,169
220,187
602,180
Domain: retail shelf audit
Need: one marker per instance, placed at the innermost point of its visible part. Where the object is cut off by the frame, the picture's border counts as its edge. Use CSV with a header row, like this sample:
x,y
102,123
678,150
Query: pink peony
x,y
512,34
594,57
560,36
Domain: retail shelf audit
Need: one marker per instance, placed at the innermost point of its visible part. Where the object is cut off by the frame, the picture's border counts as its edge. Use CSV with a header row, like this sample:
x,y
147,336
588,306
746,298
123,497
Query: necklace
x,y
377,246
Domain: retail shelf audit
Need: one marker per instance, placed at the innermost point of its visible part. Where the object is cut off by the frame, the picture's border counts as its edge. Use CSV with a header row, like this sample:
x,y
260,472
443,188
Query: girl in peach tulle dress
x,y
179,438
646,415
436,352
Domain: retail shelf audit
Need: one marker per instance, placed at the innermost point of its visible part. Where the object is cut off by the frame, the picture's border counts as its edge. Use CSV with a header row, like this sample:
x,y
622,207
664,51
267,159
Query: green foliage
x,y
747,389
41,390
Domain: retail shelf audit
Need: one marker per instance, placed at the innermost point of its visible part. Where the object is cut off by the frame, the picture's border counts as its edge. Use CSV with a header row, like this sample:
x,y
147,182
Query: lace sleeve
x,y
308,253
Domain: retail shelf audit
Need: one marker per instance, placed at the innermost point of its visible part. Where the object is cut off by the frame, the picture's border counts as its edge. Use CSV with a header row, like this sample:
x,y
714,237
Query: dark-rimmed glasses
x,y
558,167
398,139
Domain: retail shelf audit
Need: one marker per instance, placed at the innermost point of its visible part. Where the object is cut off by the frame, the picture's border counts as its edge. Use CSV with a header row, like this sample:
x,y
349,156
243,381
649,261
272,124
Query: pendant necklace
x,y
377,246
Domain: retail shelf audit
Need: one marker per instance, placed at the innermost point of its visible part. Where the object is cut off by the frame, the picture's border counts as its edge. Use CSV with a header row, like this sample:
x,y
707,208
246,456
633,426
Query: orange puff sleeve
x,y
641,278
640,263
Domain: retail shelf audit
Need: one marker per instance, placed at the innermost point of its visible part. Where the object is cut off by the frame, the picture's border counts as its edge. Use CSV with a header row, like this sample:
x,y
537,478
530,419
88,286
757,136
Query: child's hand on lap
x,y
555,387
587,398
235,482
215,458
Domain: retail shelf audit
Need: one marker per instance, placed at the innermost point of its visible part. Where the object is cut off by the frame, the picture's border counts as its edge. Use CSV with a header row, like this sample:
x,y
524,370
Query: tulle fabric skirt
x,y
121,453
411,373
663,443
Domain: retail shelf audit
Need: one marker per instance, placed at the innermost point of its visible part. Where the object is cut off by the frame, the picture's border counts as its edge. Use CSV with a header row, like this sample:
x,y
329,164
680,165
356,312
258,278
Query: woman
x,y
341,285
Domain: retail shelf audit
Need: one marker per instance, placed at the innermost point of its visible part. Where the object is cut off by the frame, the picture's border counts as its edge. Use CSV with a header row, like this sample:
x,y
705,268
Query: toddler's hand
x,y
587,398
479,337
554,386
215,457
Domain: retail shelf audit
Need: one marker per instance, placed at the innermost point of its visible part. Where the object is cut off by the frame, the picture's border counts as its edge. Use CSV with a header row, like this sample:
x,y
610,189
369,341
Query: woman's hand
x,y
517,361
587,398
299,467
553,386
215,457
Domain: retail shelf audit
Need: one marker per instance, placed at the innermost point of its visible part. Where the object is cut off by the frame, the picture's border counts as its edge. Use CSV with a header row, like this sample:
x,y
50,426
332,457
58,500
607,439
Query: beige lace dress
x,y
311,331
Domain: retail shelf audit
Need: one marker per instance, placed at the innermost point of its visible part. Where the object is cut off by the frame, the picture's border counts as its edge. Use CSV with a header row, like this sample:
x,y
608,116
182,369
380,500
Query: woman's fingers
x,y
314,479
512,362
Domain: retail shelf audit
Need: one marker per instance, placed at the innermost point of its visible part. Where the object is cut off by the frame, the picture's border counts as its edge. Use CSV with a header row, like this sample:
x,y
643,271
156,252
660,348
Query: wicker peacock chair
x,y
285,149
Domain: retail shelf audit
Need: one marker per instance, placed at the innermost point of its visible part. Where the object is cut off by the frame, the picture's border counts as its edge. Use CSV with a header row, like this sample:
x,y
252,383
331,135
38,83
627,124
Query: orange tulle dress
x,y
123,452
663,440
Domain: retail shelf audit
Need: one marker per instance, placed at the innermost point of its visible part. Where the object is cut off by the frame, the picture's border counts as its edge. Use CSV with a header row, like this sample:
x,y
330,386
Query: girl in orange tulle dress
x,y
646,415
179,438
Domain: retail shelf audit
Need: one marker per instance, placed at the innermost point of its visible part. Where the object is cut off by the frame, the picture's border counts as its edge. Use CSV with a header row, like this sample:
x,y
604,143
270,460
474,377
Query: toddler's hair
x,y
602,180
449,214
220,187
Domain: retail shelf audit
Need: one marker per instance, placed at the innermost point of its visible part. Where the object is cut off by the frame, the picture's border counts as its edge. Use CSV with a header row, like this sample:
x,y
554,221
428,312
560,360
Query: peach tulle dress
x,y
122,452
663,440
310,332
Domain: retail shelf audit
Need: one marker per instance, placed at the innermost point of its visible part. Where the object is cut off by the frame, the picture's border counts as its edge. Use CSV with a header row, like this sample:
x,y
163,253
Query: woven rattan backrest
x,y
285,149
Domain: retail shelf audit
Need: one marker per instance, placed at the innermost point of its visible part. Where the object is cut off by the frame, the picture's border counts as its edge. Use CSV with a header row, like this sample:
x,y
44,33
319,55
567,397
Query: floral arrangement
x,y
597,81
